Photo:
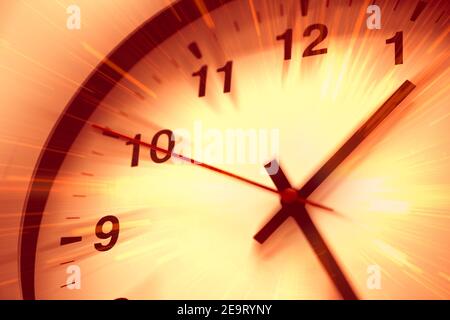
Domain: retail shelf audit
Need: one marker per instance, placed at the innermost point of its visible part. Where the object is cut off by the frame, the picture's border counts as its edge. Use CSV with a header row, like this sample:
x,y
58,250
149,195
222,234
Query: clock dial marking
x,y
304,7
418,10
195,50
67,284
69,240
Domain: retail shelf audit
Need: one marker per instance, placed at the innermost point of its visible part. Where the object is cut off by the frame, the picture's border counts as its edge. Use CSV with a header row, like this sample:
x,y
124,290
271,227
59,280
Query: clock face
x,y
356,118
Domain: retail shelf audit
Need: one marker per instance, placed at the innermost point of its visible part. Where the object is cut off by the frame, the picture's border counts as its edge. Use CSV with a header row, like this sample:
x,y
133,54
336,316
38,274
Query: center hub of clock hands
x,y
292,208
289,196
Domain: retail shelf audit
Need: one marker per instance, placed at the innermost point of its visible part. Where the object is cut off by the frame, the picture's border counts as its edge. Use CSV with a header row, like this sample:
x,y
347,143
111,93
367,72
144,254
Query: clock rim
x,y
72,120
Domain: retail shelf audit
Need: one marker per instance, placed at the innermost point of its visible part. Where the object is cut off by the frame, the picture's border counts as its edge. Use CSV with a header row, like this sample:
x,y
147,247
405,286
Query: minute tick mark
x,y
69,240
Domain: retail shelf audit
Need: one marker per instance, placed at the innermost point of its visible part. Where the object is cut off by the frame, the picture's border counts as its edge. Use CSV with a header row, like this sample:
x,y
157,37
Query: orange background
x,y
42,63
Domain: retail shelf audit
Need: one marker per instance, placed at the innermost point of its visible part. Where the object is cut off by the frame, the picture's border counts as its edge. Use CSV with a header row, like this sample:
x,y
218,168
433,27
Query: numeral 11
x,y
227,69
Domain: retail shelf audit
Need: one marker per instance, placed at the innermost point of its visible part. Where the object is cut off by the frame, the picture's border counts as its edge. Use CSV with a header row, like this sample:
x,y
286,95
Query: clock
x,y
251,149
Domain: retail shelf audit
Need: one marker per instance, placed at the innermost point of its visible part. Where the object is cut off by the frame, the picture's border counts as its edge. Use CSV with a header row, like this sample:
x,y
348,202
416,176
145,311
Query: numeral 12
x,y
287,37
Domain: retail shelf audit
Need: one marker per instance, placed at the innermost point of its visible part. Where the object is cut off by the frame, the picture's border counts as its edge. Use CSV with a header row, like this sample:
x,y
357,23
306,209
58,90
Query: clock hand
x,y
322,251
312,234
108,132
355,140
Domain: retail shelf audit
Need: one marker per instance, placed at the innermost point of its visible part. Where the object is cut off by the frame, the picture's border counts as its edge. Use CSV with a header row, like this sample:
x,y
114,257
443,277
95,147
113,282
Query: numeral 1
x,y
203,74
228,70
287,38
136,147
397,40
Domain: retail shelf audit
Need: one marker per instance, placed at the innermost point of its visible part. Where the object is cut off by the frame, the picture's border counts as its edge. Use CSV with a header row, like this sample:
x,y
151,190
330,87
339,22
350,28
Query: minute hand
x,y
355,140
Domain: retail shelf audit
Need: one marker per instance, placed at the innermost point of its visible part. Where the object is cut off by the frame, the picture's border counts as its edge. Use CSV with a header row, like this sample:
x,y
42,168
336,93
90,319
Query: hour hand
x,y
278,177
282,183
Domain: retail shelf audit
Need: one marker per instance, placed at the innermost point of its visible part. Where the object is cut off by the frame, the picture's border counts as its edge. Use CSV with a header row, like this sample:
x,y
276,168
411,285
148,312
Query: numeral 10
x,y
136,143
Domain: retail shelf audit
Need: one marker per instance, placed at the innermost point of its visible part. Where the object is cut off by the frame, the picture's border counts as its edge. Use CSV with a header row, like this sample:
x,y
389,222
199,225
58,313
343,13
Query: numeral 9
x,y
113,234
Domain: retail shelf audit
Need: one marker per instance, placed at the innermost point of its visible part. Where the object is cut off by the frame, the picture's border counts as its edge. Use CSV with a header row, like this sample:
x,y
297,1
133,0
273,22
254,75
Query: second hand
x,y
118,135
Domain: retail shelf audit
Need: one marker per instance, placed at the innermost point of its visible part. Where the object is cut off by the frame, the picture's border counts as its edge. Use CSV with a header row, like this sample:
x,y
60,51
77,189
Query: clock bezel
x,y
80,108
